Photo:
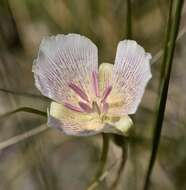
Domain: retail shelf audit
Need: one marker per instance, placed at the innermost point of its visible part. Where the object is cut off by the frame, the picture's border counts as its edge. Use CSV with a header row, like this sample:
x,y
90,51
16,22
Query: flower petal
x,y
73,123
118,125
131,74
65,60
105,76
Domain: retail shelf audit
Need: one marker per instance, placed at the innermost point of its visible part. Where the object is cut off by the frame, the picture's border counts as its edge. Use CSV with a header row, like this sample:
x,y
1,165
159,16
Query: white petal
x,y
73,123
63,59
120,126
105,76
74,130
131,74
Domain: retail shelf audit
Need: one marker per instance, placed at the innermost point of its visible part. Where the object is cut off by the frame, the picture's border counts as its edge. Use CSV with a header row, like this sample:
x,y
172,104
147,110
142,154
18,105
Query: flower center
x,y
85,106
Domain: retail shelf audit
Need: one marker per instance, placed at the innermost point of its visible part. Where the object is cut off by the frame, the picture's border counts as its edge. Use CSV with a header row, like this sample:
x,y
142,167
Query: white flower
x,y
88,100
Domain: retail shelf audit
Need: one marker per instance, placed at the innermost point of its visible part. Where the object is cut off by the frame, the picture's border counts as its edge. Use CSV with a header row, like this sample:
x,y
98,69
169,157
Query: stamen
x,y
95,107
95,83
73,108
105,107
78,91
106,93
85,107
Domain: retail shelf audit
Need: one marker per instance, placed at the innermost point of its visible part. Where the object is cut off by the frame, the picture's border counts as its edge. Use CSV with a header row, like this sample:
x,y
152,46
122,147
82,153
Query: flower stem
x,y
164,88
102,162
104,154
121,167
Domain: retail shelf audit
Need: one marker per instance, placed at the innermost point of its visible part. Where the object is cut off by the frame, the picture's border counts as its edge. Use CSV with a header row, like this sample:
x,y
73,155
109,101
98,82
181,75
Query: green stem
x,y
102,163
159,54
129,20
121,167
164,90
24,109
104,154
167,38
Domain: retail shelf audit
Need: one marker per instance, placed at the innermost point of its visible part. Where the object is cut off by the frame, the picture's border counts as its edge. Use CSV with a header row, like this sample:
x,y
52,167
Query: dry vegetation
x,y
52,161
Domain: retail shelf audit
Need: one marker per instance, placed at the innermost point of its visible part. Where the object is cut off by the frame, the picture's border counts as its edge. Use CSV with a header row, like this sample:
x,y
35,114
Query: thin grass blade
x,y
167,38
21,137
24,109
24,94
129,20
164,89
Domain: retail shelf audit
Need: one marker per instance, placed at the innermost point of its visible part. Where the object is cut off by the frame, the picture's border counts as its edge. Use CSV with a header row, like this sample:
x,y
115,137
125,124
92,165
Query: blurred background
x,y
52,161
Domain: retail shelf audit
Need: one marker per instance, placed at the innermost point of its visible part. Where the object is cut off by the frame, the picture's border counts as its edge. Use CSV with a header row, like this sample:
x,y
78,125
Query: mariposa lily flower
x,y
86,99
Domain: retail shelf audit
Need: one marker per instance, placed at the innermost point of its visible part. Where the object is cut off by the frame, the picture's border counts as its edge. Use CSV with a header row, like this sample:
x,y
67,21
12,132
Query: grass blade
x,y
24,109
21,137
163,66
160,53
24,94
129,20
164,89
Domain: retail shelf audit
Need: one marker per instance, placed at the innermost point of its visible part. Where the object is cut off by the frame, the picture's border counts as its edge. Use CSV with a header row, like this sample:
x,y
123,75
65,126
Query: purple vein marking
x,y
78,91
106,93
95,83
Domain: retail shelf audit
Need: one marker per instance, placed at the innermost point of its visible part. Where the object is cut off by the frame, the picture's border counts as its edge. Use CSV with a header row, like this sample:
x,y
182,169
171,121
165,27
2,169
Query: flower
x,y
88,100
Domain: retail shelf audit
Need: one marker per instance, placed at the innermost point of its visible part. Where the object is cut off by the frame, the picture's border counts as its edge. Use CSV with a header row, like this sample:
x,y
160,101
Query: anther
x,y
73,108
106,93
78,91
85,107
